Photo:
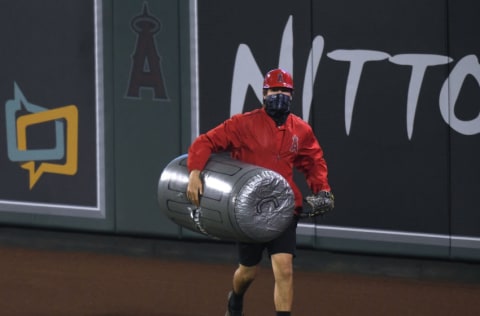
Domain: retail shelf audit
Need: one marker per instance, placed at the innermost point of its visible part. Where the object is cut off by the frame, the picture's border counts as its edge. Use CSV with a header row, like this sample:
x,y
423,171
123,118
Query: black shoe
x,y
231,312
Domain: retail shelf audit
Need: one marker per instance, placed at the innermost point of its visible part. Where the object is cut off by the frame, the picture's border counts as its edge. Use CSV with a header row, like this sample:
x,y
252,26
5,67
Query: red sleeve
x,y
311,162
221,138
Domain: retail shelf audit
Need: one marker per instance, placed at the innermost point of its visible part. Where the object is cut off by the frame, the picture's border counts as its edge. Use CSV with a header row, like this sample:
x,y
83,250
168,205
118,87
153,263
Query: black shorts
x,y
250,254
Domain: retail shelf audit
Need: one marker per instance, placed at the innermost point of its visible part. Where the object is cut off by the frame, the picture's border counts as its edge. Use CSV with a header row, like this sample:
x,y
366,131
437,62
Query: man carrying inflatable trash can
x,y
270,137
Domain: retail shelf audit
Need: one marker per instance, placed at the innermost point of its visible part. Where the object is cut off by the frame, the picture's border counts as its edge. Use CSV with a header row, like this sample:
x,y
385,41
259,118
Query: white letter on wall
x,y
357,59
419,63
468,65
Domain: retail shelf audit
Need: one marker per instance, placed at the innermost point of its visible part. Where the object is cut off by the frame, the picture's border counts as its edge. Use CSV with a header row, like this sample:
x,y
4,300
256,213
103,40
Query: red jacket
x,y
254,138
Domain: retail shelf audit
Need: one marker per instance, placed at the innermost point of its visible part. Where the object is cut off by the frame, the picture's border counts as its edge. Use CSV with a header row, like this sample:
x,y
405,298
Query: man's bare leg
x,y
282,265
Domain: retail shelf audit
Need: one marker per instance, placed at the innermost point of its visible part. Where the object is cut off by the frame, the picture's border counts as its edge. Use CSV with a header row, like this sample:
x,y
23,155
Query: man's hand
x,y
321,203
195,187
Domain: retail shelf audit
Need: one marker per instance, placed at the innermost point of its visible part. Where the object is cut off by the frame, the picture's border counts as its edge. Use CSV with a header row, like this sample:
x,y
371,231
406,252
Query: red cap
x,y
278,78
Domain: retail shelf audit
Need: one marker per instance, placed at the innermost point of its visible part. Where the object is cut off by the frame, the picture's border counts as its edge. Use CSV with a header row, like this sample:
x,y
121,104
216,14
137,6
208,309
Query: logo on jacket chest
x,y
294,145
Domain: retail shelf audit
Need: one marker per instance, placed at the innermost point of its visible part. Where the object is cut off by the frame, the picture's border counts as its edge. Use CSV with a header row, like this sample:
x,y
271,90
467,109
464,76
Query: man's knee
x,y
282,266
246,273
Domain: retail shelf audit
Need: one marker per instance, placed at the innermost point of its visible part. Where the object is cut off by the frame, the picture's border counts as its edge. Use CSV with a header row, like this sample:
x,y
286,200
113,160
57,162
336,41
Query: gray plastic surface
x,y
241,201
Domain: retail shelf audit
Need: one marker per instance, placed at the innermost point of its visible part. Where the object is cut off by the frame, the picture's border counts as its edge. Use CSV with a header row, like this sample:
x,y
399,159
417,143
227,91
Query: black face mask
x,y
277,107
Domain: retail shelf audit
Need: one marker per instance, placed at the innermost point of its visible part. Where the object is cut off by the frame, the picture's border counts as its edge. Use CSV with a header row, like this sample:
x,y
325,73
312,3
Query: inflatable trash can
x,y
241,202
